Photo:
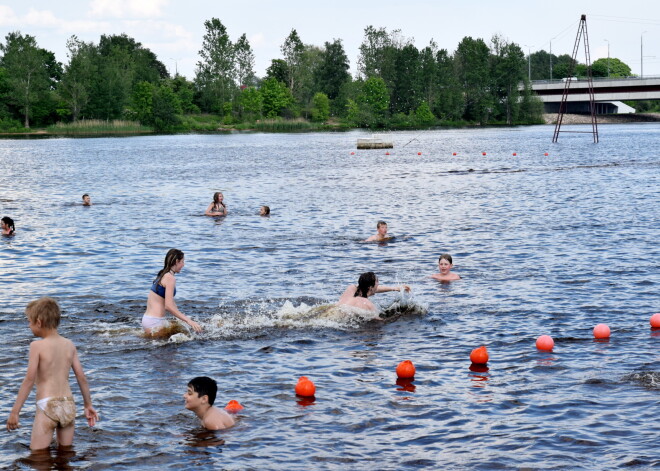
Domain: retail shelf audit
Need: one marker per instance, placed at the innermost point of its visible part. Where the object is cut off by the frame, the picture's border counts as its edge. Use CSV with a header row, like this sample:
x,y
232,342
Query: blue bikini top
x,y
160,290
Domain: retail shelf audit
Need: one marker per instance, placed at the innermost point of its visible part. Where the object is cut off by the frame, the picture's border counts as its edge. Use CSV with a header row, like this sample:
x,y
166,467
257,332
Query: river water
x,y
545,244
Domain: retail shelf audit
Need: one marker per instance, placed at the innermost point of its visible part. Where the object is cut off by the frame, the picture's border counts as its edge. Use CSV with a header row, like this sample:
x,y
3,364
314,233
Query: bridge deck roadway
x,y
604,89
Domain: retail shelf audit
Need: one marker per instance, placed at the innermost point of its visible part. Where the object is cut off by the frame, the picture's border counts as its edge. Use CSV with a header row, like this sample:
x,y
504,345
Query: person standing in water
x,y
7,225
217,207
444,266
358,296
381,235
161,296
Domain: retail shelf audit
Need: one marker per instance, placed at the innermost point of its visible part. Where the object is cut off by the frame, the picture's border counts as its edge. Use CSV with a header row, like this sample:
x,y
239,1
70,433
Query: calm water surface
x,y
545,245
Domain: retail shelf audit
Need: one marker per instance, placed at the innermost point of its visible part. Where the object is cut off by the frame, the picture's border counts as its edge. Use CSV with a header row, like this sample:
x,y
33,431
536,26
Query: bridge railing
x,y
595,79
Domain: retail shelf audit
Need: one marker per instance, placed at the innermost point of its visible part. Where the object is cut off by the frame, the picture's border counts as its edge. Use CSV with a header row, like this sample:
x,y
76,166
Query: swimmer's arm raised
x,y
169,282
26,386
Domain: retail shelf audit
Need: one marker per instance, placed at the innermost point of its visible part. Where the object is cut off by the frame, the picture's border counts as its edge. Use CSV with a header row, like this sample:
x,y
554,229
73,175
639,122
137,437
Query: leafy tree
x,y
423,115
275,96
244,61
27,72
77,82
166,108
372,52
449,103
539,63
616,68
428,71
563,67
508,70
184,91
292,50
405,88
332,71
213,76
143,94
251,103
278,70
306,86
471,61
321,107
375,98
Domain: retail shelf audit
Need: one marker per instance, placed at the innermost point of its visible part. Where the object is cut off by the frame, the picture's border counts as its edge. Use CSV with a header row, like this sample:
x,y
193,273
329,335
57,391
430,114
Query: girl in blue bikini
x,y
161,296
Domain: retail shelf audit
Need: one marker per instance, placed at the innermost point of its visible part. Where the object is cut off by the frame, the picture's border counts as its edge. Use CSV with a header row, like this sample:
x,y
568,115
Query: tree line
x,y
397,85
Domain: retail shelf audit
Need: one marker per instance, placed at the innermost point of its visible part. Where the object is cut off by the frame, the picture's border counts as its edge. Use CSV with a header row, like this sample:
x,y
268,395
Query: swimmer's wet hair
x,y
365,282
204,386
266,210
447,257
45,310
83,196
381,223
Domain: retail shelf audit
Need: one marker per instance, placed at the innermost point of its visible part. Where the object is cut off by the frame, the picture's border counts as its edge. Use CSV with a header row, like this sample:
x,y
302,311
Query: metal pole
x,y
529,64
608,57
641,53
551,59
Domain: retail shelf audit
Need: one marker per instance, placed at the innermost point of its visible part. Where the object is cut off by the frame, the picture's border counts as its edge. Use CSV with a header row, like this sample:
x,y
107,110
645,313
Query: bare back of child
x,y
50,361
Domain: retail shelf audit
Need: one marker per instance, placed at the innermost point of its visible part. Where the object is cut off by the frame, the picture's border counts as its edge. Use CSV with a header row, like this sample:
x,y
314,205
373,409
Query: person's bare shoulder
x,y
217,419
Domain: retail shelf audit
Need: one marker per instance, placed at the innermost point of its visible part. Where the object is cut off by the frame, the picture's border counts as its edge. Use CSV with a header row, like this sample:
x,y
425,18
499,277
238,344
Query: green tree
x,y
166,108
278,70
321,107
405,88
27,72
244,62
423,115
616,68
142,102
215,72
375,99
332,72
563,67
184,91
77,82
276,97
428,71
471,61
292,51
306,86
449,103
372,52
508,70
251,103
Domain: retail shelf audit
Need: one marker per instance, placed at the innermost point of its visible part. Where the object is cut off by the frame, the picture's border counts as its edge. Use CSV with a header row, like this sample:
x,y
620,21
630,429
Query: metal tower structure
x,y
582,33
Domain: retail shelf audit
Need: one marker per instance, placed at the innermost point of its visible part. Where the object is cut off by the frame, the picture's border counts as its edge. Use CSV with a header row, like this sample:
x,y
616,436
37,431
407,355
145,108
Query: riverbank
x,y
551,118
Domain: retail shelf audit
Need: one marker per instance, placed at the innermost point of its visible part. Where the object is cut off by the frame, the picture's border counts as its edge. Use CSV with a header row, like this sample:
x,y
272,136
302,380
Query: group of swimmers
x,y
53,357
50,361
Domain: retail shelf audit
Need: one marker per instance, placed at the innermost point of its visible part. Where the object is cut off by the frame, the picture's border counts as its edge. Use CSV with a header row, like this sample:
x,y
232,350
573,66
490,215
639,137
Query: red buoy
x,y
479,356
305,387
405,369
483,153
602,331
655,321
546,154
387,153
454,153
545,342
419,153
233,406
514,154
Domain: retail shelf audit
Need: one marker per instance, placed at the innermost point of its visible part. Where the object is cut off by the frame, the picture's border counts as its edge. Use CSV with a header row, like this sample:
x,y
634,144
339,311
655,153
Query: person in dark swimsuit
x,y
217,207
161,295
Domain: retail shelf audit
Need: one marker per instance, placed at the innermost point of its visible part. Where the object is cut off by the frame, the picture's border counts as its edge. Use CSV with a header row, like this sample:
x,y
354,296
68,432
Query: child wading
x,y
50,361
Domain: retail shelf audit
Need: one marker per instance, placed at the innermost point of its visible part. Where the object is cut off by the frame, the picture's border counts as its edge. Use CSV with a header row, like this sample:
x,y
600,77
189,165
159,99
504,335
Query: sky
x,y
174,29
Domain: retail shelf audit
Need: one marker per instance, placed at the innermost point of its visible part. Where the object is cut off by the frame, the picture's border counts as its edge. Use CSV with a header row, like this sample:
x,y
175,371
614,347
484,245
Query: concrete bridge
x,y
608,93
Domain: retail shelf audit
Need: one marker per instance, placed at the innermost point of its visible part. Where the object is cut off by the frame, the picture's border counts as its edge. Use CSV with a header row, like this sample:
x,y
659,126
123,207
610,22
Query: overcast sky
x,y
174,29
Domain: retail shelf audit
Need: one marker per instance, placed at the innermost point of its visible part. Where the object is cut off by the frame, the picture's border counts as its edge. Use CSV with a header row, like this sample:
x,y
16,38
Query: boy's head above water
x,y
198,388
45,310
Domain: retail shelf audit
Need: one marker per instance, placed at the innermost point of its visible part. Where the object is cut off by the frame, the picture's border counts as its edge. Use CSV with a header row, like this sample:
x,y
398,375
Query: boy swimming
x,y
50,361
200,397
86,200
381,235
445,264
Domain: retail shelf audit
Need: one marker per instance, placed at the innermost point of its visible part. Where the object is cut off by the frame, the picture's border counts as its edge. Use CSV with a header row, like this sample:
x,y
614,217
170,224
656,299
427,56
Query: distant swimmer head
x,y
8,226
367,284
87,201
382,227
264,211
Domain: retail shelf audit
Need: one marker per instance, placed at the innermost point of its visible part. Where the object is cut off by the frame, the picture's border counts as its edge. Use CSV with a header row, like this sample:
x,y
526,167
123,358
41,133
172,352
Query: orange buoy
x,y
545,342
305,387
233,406
352,153
405,369
602,331
419,153
655,320
479,356
546,154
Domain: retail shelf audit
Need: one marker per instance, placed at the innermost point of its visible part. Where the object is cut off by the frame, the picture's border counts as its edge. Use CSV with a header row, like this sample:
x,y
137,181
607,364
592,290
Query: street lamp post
x,y
529,62
608,57
176,66
641,53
